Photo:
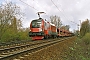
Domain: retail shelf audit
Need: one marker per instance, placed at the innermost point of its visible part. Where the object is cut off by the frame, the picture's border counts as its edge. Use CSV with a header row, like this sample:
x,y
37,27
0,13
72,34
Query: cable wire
x,y
29,5
59,10
63,10
43,8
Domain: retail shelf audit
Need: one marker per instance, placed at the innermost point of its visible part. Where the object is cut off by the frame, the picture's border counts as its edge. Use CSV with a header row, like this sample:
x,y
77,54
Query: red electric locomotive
x,y
40,29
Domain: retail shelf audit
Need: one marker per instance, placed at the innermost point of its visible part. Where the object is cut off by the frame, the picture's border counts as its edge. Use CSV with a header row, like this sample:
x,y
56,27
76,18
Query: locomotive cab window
x,y
36,23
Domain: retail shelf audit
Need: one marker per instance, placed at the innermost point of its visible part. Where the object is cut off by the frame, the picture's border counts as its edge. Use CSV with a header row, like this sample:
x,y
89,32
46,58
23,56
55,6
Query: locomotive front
x,y
36,29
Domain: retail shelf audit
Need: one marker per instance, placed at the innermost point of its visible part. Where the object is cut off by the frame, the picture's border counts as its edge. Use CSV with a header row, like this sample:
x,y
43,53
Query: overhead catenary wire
x,y
63,9
70,20
59,9
31,6
28,5
41,7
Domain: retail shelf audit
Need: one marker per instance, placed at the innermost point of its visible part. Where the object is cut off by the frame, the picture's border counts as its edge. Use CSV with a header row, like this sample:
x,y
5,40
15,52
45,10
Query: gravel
x,y
53,52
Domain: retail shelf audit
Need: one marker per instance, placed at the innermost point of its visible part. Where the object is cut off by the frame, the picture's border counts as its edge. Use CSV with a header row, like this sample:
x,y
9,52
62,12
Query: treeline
x,y
85,27
11,24
58,23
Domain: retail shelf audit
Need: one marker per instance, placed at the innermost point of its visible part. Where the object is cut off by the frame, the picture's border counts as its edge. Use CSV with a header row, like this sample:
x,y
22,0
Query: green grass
x,y
80,50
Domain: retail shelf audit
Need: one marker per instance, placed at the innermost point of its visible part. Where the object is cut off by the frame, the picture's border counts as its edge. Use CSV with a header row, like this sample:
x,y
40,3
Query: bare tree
x,y
8,14
56,20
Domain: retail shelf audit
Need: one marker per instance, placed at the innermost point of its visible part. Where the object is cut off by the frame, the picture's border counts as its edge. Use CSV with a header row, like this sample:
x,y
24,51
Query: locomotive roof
x,y
52,24
38,19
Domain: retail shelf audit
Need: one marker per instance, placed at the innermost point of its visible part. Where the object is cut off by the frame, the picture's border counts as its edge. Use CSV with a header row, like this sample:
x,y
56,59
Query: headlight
x,y
30,29
40,29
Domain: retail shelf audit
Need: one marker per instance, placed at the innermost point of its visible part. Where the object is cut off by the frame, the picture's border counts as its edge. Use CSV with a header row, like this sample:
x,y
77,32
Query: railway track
x,y
16,49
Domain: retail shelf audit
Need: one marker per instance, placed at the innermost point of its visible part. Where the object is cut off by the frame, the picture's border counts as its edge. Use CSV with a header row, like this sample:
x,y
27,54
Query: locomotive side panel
x,y
53,30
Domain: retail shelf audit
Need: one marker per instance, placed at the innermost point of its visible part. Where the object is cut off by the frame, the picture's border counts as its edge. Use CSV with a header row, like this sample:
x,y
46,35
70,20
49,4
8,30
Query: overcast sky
x,y
67,10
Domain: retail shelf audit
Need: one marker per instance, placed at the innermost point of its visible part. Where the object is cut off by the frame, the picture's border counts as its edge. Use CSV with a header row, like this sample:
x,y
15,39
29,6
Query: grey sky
x,y
68,10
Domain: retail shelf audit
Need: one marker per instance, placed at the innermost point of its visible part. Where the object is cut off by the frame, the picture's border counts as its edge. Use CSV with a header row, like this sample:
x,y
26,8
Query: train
x,y
41,29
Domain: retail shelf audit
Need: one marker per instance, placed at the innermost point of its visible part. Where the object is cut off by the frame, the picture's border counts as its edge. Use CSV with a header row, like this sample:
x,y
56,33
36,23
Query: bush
x,y
14,36
86,38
